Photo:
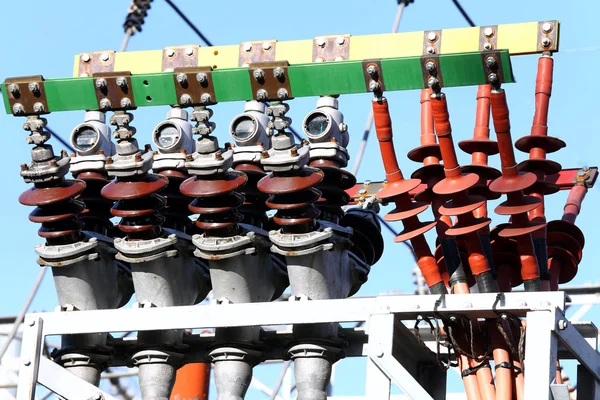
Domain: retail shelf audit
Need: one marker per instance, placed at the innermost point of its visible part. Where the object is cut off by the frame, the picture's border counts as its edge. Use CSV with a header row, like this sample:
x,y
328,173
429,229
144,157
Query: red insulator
x,y
293,194
96,215
406,210
254,208
56,209
513,183
176,211
480,148
333,188
217,201
462,205
137,204
566,241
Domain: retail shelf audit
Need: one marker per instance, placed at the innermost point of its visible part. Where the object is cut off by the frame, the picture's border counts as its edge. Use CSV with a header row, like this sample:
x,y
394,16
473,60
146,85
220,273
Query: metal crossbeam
x,y
518,39
235,84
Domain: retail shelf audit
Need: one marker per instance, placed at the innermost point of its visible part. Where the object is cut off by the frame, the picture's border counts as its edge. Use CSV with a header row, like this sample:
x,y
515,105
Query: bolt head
x,y
201,77
321,42
189,51
266,45
374,86
371,70
33,87
101,83
98,396
546,42
38,107
430,66
121,81
27,362
282,94
362,191
279,73
261,95
340,40
488,32
490,61
105,103
205,98
31,322
104,57
493,78
18,109
125,102
86,58
258,74
181,78
430,50
547,27
432,82
170,52
487,46
13,88
185,99
247,47
320,59
432,36
580,173
562,324
339,58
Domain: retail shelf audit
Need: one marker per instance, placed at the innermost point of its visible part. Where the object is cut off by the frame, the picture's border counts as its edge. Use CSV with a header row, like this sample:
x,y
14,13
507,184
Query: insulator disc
x,y
134,189
420,229
303,179
513,184
454,185
41,196
486,146
548,167
548,143
418,154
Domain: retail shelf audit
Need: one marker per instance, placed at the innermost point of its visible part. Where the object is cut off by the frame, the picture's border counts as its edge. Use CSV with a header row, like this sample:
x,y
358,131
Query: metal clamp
x,y
179,57
373,75
331,48
114,90
26,95
492,67
256,52
99,61
586,176
194,86
548,36
488,37
432,73
432,42
270,81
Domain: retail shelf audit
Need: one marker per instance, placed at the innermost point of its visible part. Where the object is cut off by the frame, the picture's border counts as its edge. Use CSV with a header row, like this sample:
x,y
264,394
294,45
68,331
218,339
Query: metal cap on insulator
x,y
251,127
175,133
92,136
326,123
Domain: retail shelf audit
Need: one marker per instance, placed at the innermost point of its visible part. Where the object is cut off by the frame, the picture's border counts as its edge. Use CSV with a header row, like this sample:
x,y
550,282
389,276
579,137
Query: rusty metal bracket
x,y
194,86
373,75
179,57
331,48
114,90
488,37
432,42
270,81
257,52
548,36
26,95
430,67
492,66
586,177
99,61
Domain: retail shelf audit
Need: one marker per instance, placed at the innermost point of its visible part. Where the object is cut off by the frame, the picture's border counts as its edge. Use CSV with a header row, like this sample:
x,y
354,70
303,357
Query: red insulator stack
x,y
293,194
513,183
333,188
96,215
217,201
397,190
538,144
566,241
56,209
254,207
455,185
138,204
176,212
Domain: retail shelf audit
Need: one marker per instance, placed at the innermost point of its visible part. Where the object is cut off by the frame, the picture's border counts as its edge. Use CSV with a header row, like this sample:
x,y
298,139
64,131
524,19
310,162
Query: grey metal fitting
x,y
92,136
105,104
279,73
430,66
250,128
258,74
33,87
326,123
13,89
201,77
175,133
181,78
121,81
101,83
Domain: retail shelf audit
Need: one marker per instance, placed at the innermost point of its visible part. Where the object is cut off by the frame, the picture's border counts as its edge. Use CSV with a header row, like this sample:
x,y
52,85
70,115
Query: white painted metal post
x,y
381,329
31,352
540,355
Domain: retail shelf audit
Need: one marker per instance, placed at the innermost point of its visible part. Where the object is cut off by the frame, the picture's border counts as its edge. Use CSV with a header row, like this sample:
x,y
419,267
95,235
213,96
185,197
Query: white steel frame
x,y
386,338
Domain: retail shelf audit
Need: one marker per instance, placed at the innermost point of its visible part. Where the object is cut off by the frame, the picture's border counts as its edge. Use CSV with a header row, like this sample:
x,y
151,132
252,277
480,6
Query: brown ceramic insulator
x,y
96,215
333,189
406,210
480,148
56,209
137,204
254,208
216,201
176,210
293,194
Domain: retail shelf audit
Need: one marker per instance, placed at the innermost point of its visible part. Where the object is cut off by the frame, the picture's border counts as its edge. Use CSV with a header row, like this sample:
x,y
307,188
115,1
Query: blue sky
x,y
45,38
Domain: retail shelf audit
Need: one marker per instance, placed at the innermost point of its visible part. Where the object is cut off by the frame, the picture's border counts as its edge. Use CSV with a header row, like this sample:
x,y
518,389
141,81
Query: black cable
x,y
61,140
463,12
190,24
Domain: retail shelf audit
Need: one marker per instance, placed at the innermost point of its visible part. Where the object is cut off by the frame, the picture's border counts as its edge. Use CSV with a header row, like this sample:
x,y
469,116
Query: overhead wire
x,y
464,13
189,23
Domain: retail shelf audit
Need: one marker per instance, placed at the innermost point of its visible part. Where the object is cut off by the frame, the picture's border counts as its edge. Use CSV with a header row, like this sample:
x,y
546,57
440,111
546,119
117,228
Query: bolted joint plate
x,y
139,251
179,57
194,86
270,81
26,95
98,61
331,48
256,52
114,90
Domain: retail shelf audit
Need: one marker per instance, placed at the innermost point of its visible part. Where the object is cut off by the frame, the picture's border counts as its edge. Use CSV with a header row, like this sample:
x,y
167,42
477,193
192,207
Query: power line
x,y
189,23
60,139
463,12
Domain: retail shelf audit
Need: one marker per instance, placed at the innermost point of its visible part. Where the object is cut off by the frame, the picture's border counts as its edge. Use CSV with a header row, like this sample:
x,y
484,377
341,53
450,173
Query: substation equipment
x,y
248,218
